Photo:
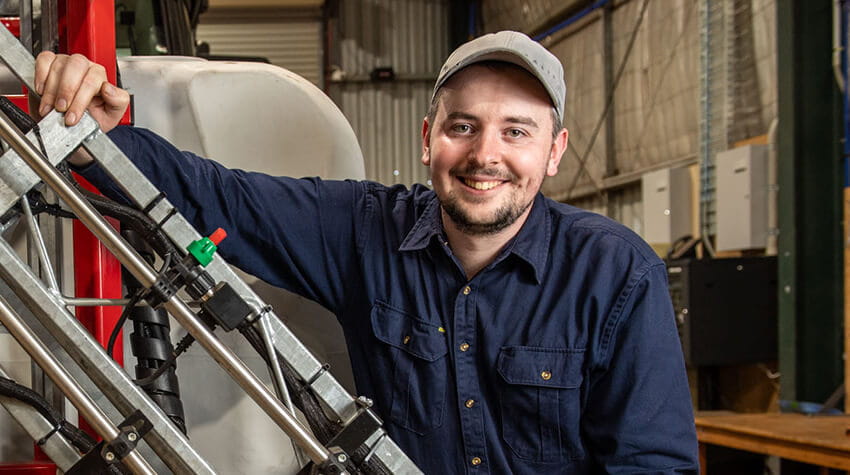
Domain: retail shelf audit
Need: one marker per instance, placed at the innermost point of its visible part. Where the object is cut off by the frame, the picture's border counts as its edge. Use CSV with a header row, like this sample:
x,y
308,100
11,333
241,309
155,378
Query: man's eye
x,y
514,133
461,128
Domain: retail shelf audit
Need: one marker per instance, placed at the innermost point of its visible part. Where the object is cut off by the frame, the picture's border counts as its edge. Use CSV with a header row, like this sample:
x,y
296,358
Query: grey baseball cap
x,y
512,47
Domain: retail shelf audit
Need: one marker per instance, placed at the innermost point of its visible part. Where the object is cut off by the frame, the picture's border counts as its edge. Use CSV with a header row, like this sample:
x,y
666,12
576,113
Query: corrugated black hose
x,y
151,343
322,426
82,441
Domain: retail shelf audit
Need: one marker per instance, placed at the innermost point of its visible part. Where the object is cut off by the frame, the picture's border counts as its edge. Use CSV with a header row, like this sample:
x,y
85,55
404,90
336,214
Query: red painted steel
x,y
13,24
40,468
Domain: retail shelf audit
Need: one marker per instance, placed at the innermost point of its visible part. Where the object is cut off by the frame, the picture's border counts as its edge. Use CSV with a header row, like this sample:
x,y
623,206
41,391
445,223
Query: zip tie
x,y
156,199
325,367
43,440
374,447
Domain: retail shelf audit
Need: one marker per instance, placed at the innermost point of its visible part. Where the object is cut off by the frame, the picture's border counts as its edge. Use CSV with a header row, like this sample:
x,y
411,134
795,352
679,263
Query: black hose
x,y
323,427
82,441
150,341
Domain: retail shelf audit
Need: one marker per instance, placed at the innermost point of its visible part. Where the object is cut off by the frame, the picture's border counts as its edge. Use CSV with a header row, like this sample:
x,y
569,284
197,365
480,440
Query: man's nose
x,y
487,149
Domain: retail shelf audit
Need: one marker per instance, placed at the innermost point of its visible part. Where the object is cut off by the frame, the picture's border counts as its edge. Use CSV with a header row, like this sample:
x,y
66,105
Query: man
x,y
496,330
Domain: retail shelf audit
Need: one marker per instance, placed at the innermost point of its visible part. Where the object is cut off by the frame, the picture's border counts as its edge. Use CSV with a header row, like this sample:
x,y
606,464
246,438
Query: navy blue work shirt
x,y
561,356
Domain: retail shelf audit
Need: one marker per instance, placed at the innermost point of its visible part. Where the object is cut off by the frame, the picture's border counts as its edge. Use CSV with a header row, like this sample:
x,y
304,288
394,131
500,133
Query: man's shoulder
x,y
585,231
416,196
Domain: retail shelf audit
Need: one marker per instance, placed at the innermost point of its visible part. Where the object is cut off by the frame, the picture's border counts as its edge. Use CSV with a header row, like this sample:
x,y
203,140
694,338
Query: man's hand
x,y
73,84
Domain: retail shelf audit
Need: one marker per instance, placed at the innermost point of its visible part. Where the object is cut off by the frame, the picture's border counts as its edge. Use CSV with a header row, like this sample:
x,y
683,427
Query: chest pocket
x,y
540,403
420,368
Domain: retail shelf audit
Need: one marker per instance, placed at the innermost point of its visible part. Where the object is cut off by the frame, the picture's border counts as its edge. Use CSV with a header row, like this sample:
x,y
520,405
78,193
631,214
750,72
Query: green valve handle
x,y
204,248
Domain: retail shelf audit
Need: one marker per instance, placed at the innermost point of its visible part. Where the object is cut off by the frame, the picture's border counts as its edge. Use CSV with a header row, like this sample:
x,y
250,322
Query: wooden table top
x,y
820,439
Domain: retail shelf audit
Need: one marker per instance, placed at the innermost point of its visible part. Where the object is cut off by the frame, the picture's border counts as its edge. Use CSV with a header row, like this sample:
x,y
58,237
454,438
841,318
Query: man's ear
x,y
426,142
559,146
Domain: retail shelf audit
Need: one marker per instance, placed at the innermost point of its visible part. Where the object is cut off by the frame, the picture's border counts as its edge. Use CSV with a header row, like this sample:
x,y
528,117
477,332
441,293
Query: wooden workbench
x,y
816,440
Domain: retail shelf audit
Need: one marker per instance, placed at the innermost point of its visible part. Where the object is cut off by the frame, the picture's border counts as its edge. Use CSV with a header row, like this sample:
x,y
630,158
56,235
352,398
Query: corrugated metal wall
x,y
527,15
655,103
291,39
410,36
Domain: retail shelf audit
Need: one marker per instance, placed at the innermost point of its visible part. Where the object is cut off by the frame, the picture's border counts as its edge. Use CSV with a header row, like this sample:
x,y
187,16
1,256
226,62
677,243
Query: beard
x,y
504,216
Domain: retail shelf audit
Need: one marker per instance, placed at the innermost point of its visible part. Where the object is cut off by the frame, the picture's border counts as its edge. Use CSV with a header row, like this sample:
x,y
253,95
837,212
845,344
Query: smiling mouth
x,y
480,185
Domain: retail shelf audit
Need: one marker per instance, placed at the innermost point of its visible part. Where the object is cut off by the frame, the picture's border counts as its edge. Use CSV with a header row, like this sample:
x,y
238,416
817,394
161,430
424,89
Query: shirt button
x,y
546,375
470,403
406,339
476,461
464,346
466,290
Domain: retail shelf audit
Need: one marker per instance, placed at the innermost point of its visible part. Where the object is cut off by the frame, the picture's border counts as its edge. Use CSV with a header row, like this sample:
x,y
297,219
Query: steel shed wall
x,y
291,39
411,37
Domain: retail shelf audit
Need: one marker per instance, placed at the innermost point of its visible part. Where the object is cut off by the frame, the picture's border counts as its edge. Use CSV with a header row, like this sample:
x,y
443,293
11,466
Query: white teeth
x,y
482,185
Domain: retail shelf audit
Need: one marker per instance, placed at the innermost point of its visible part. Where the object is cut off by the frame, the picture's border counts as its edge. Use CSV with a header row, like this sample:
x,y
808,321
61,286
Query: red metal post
x,y
87,27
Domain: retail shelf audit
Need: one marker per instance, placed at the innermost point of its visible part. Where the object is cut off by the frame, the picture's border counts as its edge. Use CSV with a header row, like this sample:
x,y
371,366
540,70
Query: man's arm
x,y
293,233
639,417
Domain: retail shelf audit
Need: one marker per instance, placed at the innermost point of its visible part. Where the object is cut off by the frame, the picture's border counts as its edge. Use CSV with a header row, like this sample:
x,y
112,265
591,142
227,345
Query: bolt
x,y
132,437
109,456
341,458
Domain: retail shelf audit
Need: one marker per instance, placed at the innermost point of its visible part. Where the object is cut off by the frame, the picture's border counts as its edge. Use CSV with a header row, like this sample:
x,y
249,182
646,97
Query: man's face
x,y
490,147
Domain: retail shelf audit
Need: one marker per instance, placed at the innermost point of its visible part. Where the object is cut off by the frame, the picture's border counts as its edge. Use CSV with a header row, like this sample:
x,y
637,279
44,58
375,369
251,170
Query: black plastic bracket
x,y
356,432
130,433
227,308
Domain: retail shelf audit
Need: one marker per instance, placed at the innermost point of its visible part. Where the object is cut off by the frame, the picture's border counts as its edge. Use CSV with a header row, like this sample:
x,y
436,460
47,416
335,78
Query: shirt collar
x,y
531,244
428,225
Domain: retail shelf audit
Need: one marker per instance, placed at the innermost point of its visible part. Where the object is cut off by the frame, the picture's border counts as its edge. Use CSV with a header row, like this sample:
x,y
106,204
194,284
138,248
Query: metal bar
x,y
93,302
57,447
146,276
59,141
35,233
101,373
92,413
277,374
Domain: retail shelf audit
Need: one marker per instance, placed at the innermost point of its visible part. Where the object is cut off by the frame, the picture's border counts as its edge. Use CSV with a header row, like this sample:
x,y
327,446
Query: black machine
x,y
725,309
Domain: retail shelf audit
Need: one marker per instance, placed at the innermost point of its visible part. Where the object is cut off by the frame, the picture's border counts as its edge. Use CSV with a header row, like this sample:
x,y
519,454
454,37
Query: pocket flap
x,y
401,330
545,367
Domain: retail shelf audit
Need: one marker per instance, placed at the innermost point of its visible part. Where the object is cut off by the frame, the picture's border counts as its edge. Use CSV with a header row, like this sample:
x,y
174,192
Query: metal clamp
x,y
130,432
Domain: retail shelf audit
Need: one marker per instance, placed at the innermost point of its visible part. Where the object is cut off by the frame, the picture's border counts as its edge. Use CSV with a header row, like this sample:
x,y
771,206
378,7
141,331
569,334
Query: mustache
x,y
483,171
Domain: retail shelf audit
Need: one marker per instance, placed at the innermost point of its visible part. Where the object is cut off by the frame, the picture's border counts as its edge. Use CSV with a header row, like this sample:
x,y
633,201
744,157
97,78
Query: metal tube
x,y
35,233
93,302
146,276
89,410
277,373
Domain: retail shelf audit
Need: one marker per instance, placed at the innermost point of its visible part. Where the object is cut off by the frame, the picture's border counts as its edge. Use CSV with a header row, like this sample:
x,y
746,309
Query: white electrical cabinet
x,y
666,205
742,198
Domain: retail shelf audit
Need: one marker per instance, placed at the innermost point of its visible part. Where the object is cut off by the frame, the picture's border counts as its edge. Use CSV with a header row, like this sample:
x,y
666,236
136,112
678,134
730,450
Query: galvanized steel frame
x,y
169,444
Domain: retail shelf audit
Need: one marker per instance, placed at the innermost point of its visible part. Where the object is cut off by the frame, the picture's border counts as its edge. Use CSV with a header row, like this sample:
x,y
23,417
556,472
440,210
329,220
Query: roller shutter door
x,y
290,39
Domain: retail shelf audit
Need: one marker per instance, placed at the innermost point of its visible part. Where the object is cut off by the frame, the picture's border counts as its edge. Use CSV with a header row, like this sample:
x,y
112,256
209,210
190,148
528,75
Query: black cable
x,y
78,438
121,320
323,427
184,345
129,307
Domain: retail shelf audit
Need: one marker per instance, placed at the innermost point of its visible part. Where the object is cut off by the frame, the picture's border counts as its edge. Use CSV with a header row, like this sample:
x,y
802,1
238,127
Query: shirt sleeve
x,y
639,417
298,234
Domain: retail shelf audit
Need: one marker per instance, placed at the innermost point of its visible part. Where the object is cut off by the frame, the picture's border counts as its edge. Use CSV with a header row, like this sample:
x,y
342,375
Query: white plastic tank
x,y
264,118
